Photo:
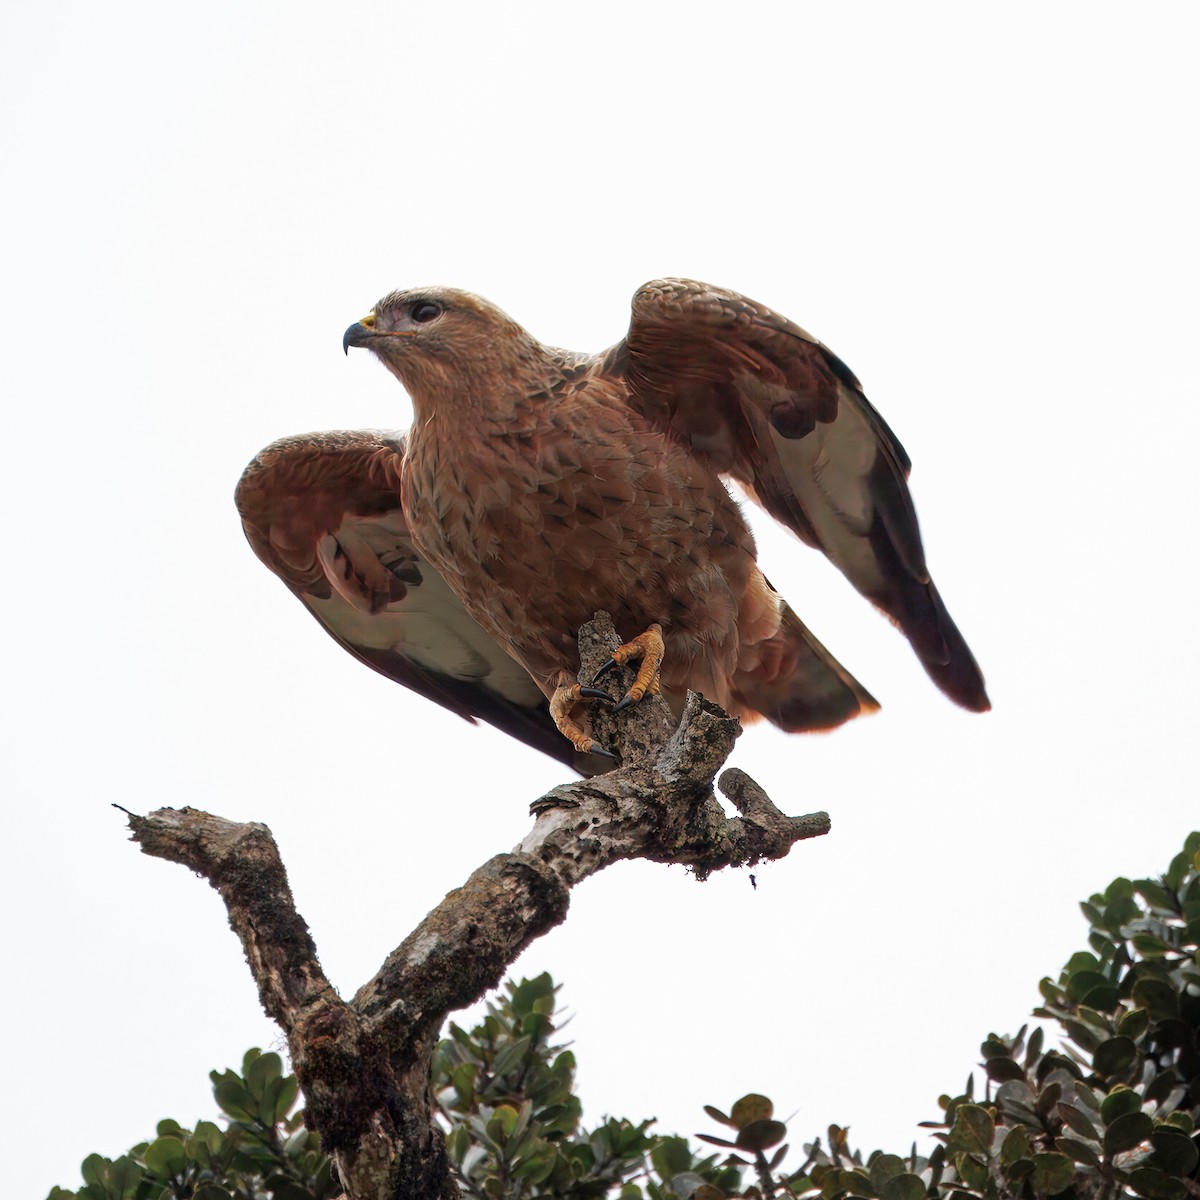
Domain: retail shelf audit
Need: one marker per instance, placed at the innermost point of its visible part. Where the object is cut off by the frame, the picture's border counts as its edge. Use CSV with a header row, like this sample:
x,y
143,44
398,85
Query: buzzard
x,y
538,485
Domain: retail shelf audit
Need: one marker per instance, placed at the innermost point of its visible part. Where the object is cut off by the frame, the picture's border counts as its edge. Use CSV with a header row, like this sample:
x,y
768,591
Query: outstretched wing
x,y
773,408
323,512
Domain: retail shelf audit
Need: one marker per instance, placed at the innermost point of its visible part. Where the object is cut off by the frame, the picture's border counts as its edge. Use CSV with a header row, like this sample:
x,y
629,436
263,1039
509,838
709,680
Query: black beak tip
x,y
351,336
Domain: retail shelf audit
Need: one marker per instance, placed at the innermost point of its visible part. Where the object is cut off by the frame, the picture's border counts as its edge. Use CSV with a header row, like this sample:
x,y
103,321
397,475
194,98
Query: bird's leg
x,y
565,697
650,649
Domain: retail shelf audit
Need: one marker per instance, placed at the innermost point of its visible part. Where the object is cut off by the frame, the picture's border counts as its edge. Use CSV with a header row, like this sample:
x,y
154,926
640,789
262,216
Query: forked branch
x,y
364,1064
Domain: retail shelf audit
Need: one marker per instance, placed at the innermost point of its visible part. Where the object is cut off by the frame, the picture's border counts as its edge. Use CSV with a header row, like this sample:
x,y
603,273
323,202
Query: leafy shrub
x,y
1111,1113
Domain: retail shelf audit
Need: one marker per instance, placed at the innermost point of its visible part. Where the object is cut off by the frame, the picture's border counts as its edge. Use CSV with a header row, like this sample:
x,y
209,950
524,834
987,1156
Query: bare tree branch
x,y
365,1065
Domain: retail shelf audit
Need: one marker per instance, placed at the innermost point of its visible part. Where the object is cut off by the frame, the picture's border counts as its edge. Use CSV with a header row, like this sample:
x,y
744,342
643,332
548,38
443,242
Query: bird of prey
x,y
538,485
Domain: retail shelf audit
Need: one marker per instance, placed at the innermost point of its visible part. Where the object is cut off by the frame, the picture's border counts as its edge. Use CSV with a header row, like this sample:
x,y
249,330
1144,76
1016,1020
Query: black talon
x,y
602,751
624,702
608,666
595,694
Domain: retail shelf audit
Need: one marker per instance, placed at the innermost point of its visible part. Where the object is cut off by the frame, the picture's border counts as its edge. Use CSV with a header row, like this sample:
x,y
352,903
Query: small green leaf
x,y
264,1070
884,1167
856,1183
232,1097
1105,999
972,1171
1077,1120
1003,1069
1162,1085
124,1178
1081,1035
972,1132
1034,1050
289,1090
1049,1096
1118,1103
1134,1024
1016,1092
761,1135
503,1122
266,1102
1178,870
165,1158
1156,1185
1155,894
1159,999
1180,1120
1082,982
1119,913
903,1187
512,1056
1149,946
1052,1173
1114,1056
1016,1145
1050,991
714,1140
94,1170
1080,1151
1120,888
752,1107
1174,1152
670,1156
1126,1132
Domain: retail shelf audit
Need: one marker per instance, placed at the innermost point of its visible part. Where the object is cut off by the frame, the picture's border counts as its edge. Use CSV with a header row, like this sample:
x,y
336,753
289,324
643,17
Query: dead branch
x,y
365,1065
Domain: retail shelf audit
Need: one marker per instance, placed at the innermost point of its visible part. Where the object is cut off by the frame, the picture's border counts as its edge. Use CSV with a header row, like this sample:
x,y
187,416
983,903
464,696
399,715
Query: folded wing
x,y
781,414
323,512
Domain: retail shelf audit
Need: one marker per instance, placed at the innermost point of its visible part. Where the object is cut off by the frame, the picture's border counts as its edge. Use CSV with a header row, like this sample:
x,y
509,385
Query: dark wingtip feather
x,y
945,655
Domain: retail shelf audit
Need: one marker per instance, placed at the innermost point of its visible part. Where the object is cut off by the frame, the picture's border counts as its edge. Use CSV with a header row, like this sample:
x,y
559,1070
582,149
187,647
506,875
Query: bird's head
x,y
438,340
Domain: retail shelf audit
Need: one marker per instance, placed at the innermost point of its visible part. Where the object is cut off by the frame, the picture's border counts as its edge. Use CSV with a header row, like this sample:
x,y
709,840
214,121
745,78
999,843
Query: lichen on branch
x,y
364,1064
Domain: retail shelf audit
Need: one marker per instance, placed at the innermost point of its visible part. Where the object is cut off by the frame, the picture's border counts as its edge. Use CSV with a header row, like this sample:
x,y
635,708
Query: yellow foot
x,y
649,648
565,697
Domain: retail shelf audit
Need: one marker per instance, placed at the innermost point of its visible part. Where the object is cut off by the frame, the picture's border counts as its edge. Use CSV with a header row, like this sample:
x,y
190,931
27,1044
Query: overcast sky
x,y
990,212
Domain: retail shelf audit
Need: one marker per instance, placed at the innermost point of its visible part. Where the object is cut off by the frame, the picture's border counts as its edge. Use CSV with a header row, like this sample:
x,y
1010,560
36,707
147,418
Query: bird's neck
x,y
506,392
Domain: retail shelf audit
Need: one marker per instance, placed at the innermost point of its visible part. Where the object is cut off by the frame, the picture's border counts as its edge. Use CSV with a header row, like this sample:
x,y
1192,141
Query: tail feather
x,y
797,684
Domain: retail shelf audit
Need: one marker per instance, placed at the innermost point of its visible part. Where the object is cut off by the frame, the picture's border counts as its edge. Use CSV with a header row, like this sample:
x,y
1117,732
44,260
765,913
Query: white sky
x,y
989,211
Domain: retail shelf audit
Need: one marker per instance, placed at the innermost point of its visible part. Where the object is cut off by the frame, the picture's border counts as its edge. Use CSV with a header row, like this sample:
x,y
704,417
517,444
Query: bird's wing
x,y
773,408
323,512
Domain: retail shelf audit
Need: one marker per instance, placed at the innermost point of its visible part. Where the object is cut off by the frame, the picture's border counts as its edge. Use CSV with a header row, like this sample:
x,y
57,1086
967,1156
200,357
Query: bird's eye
x,y
425,311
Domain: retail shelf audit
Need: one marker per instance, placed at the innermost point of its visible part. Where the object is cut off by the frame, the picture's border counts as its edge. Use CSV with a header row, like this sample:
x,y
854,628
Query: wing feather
x,y
777,411
323,512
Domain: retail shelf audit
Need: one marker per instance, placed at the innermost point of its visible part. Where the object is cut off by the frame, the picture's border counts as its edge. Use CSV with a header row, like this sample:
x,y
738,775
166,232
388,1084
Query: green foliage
x,y
263,1153
507,1092
1111,1113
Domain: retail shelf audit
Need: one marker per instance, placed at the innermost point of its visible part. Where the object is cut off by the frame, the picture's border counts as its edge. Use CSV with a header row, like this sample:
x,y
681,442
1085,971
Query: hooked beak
x,y
359,333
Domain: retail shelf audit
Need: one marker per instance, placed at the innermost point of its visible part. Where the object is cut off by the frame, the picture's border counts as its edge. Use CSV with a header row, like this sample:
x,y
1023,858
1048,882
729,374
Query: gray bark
x,y
364,1064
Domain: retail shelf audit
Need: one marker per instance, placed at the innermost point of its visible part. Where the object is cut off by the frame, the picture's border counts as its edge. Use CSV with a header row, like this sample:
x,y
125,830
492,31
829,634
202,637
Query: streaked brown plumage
x,y
323,512
543,485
